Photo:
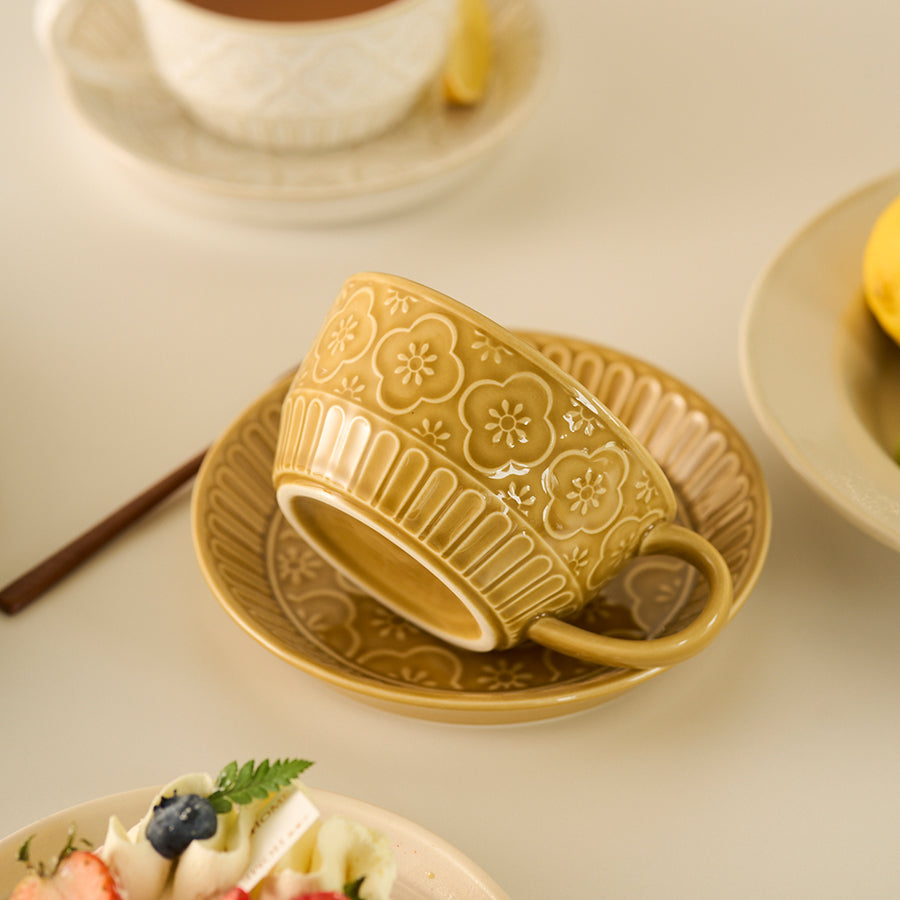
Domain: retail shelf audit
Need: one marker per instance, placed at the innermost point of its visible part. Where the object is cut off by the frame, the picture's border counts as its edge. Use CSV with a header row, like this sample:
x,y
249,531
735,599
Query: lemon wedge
x,y
469,58
881,270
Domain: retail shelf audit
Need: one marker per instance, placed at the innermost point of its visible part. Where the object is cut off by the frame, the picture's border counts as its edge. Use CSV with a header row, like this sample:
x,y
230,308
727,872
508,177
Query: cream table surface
x,y
678,146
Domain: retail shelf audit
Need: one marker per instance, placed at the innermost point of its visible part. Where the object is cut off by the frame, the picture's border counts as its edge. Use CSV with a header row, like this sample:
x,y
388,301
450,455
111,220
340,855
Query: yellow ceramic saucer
x,y
284,595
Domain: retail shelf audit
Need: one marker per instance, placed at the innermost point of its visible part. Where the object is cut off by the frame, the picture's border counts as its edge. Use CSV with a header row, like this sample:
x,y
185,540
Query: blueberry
x,y
178,820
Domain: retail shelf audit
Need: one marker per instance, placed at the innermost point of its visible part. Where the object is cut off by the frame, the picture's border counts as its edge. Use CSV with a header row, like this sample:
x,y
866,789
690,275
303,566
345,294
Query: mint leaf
x,y
39,867
24,854
351,889
251,782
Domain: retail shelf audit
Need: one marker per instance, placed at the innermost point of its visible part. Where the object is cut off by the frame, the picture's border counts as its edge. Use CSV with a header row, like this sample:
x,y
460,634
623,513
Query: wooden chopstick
x,y
28,587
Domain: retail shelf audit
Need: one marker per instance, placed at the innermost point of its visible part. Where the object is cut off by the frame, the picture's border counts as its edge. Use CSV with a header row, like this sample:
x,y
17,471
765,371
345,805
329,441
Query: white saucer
x,y
822,377
427,865
105,71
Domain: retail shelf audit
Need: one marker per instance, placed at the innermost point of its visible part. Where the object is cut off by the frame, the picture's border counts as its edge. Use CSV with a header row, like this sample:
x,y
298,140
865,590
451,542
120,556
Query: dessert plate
x,y
822,377
290,600
428,866
106,72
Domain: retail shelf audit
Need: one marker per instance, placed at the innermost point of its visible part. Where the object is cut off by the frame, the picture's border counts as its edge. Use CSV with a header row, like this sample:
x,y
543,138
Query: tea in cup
x,y
297,74
469,484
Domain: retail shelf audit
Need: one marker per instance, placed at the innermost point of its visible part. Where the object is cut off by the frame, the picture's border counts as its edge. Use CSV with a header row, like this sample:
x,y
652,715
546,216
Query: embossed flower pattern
x,y
618,545
577,559
398,303
586,490
645,490
579,419
297,563
417,364
387,624
351,387
488,349
617,548
420,677
345,337
507,424
505,675
432,432
519,497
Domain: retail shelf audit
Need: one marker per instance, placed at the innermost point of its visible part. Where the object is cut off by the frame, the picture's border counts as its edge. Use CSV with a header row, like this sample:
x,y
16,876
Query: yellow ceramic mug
x,y
469,484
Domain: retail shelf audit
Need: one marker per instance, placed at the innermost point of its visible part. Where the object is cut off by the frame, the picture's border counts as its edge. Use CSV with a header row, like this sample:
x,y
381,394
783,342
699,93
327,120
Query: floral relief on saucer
x,y
340,619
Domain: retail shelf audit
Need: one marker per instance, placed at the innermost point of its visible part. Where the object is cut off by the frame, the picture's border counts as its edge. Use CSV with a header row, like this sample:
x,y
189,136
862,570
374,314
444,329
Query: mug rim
x,y
288,27
476,611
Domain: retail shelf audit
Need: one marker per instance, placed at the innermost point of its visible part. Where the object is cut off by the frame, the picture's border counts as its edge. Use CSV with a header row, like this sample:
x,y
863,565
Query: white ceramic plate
x,y
105,71
428,867
822,377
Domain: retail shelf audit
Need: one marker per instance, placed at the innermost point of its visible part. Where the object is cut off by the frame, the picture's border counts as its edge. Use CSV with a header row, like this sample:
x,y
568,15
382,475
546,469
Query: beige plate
x,y
295,604
823,378
100,54
427,866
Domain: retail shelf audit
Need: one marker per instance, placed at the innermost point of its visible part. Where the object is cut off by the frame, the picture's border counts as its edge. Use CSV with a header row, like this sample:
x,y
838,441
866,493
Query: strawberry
x,y
323,895
84,876
73,875
29,888
235,893
80,876
350,892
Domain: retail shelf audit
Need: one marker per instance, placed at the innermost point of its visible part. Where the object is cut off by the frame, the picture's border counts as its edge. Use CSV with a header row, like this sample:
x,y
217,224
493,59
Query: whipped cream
x,y
274,848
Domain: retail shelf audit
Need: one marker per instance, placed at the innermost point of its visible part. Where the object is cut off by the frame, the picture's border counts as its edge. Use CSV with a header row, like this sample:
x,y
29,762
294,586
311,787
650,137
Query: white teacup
x,y
303,84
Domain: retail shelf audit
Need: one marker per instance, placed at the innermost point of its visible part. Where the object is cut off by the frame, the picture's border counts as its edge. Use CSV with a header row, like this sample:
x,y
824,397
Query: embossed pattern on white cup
x,y
298,85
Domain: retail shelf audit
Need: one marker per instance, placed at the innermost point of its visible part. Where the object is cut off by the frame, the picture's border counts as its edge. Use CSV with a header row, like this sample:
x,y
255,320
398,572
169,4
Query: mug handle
x,y
54,24
666,539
